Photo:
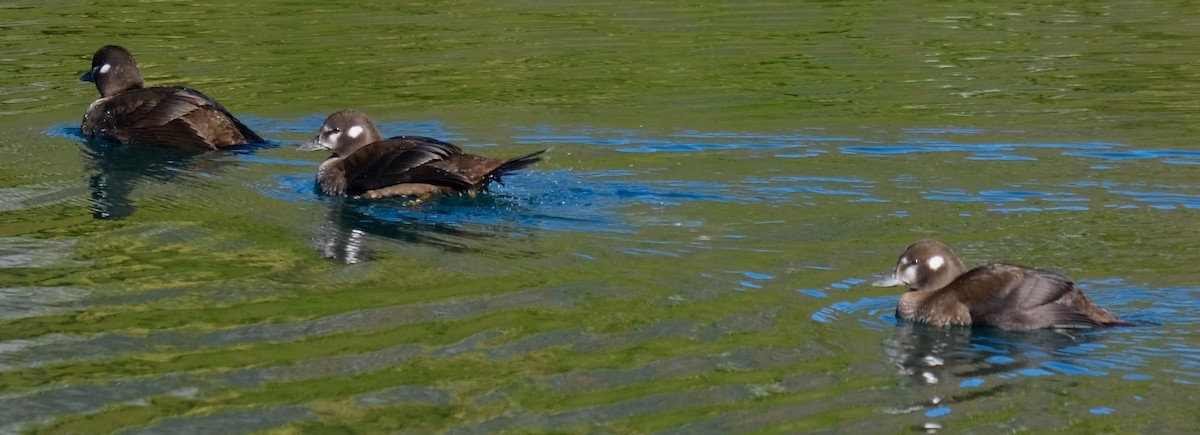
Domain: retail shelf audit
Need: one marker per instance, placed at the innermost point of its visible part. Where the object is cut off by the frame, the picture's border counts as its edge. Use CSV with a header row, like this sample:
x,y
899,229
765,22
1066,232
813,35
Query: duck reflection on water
x,y
354,229
952,366
120,168
938,355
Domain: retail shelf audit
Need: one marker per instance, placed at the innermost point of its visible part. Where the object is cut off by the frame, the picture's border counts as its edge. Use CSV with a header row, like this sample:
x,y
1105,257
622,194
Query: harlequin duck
x,y
365,165
170,116
942,292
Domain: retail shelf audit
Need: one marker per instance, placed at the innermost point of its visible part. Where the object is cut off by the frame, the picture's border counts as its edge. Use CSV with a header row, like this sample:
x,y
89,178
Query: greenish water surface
x,y
724,179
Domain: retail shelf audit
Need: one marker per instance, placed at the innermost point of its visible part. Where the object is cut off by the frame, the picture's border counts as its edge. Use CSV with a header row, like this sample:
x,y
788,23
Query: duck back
x,y
1015,298
166,116
413,166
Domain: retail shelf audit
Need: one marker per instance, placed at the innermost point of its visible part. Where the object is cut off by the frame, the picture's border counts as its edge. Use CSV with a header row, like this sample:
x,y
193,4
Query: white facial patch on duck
x,y
909,274
104,68
354,132
936,262
331,136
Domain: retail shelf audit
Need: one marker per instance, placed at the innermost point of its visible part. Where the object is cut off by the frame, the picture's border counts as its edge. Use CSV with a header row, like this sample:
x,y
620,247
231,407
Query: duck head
x,y
344,132
113,71
926,264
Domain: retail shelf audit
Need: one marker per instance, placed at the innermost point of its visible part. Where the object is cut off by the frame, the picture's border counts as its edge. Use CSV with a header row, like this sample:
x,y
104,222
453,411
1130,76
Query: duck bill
x,y
313,144
889,280
89,76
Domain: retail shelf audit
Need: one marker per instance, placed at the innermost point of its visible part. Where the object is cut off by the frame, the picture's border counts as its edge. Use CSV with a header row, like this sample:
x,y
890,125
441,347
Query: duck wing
x,y
1015,297
400,160
171,116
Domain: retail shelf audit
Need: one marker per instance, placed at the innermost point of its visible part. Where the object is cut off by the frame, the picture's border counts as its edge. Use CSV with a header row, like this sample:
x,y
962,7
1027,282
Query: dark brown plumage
x,y
1004,296
362,164
171,116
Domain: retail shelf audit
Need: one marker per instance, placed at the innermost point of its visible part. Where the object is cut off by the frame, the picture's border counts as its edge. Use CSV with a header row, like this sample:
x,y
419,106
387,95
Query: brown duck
x,y
170,116
363,164
942,293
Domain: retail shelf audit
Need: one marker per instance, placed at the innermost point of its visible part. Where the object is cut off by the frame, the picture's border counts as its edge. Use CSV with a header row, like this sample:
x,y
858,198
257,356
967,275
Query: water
x,y
693,256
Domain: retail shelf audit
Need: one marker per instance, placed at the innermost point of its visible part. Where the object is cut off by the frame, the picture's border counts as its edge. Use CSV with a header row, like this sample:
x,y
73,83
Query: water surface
x,y
693,256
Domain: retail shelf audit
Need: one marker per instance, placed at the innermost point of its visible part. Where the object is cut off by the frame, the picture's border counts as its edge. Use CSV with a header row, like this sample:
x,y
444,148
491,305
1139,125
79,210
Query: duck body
x,y
942,293
363,165
170,116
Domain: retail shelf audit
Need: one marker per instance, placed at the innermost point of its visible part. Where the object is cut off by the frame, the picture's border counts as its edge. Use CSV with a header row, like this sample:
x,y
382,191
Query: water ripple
x,y
1173,157
23,302
1162,200
752,358
993,149
587,416
635,141
405,394
25,252
40,195
21,354
249,419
